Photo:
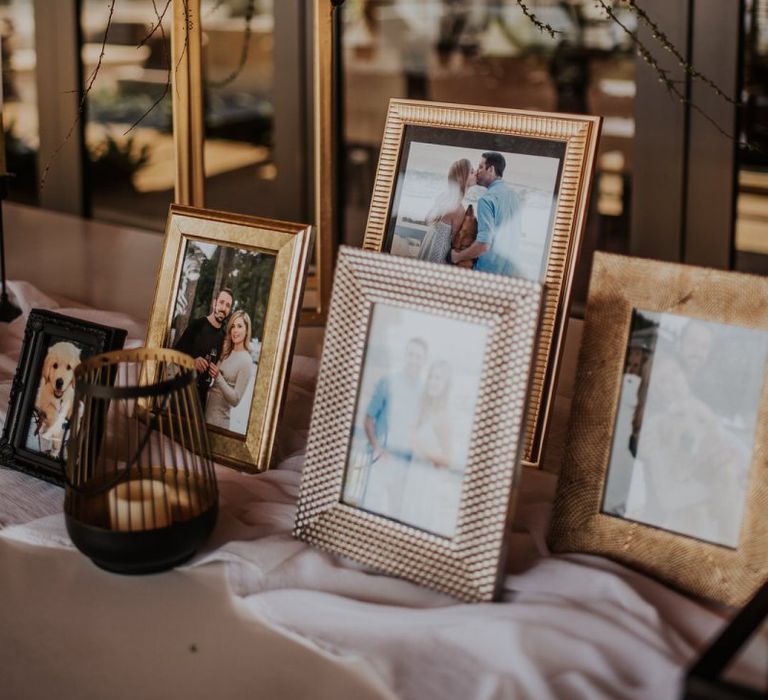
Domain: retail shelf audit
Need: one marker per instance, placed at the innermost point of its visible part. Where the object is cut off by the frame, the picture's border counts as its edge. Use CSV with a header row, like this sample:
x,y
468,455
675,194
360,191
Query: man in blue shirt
x,y
390,420
498,221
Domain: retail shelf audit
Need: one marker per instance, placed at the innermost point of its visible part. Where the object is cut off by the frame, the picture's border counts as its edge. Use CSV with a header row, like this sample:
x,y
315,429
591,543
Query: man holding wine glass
x,y
203,337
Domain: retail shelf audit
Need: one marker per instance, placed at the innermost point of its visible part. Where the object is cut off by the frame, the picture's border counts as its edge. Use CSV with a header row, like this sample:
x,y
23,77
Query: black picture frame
x,y
43,329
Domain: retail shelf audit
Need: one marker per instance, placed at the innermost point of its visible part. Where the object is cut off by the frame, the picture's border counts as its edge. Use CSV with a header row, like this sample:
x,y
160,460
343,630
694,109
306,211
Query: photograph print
x,y
48,427
685,425
413,422
479,200
218,317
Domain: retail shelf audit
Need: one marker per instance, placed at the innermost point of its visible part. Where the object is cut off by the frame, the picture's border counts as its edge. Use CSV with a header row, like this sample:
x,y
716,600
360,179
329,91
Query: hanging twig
x,y
663,74
166,61
250,11
662,38
187,30
541,26
160,17
83,99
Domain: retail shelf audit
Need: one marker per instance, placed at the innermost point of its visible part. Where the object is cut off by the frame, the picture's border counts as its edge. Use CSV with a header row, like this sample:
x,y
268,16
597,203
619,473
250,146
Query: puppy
x,y
56,392
465,236
697,470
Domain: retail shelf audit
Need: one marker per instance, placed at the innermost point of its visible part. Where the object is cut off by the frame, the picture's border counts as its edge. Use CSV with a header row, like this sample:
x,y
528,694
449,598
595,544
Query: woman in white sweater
x,y
230,377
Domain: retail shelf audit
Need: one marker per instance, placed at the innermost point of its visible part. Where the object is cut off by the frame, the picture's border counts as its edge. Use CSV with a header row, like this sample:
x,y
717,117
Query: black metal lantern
x,y
141,493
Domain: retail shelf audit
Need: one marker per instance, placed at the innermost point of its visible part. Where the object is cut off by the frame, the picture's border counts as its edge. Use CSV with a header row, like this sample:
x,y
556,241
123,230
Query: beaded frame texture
x,y
580,135
618,285
466,565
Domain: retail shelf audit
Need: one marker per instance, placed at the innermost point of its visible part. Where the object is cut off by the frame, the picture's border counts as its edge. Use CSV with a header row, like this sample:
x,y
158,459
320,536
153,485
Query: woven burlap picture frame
x,y
571,139
696,562
506,310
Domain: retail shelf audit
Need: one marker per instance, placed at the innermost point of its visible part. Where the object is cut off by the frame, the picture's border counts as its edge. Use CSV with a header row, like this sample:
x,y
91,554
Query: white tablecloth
x,y
572,626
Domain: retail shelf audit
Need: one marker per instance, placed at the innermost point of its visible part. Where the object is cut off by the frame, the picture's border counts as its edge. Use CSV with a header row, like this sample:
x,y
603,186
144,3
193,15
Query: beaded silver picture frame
x,y
463,556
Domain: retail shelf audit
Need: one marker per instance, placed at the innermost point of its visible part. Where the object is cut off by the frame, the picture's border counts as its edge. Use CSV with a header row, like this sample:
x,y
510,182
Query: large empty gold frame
x,y
189,134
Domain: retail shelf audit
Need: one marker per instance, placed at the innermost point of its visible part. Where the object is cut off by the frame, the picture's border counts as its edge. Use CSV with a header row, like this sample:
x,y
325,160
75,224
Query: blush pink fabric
x,y
573,626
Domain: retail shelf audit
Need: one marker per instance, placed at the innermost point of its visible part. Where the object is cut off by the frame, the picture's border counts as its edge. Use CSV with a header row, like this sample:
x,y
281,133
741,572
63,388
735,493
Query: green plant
x,y
116,160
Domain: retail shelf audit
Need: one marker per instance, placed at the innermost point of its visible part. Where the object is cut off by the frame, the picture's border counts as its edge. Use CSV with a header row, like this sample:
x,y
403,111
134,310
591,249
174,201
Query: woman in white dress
x,y
434,479
230,377
447,214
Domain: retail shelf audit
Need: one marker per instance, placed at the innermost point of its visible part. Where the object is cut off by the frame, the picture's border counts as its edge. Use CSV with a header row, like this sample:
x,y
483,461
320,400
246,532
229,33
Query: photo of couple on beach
x,y
413,422
476,200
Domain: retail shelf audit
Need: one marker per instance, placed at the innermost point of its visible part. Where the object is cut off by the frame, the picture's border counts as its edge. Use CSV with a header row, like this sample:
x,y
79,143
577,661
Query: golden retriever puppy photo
x,y
55,395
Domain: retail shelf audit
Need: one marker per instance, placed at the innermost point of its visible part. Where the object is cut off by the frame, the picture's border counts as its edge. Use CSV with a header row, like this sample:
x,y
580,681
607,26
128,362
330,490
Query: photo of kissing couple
x,y
482,208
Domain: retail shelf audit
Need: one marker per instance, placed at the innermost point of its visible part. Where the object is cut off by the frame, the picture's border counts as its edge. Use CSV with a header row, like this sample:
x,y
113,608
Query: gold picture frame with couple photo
x,y
501,191
228,293
417,427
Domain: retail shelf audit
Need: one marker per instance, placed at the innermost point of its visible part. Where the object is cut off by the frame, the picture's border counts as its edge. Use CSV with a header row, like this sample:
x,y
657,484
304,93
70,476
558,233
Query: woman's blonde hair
x,y
458,173
226,349
431,405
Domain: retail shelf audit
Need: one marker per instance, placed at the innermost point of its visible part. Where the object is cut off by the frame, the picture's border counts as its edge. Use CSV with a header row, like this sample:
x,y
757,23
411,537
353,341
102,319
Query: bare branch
x,y
541,26
83,99
662,38
166,61
159,25
250,11
187,30
663,74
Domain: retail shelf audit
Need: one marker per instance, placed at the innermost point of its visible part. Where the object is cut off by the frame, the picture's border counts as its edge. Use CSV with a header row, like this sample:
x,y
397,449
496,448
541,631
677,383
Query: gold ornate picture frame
x,y
228,292
418,421
549,161
665,466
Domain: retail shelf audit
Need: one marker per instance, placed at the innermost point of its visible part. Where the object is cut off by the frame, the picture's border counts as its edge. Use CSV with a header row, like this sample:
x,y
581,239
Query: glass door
x,y
489,53
751,237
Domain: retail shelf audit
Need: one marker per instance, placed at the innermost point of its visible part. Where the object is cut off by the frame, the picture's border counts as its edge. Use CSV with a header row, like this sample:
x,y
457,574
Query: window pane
x,y
130,170
751,239
487,52
17,27
238,55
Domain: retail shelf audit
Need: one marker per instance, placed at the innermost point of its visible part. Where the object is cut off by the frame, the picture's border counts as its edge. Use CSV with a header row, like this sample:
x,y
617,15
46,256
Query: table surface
x,y
258,613
70,630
